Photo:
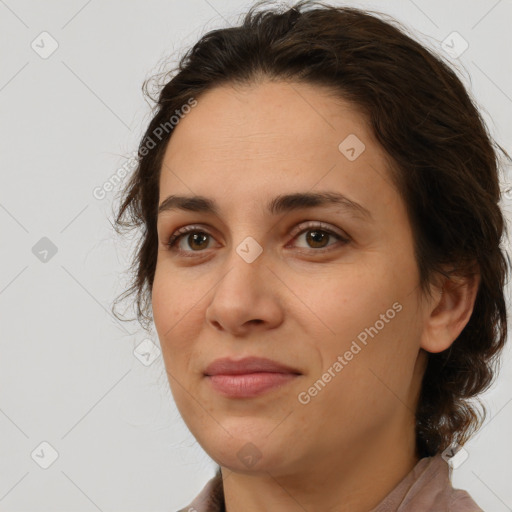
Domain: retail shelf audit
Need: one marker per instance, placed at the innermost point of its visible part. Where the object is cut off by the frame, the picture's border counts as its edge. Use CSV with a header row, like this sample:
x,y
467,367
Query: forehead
x,y
264,121
243,143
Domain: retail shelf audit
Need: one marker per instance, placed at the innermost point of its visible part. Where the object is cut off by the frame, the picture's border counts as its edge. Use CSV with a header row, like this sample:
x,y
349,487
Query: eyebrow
x,y
280,204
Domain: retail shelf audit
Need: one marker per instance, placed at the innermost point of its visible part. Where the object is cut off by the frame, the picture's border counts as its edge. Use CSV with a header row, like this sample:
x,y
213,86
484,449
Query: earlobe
x,y
447,316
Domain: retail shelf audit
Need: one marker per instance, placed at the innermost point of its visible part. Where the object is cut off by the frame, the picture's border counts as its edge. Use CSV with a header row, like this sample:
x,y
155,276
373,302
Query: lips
x,y
228,366
249,377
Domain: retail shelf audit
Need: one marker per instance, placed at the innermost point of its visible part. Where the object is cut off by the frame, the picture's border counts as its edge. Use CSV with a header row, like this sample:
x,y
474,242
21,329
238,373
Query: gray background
x,y
68,373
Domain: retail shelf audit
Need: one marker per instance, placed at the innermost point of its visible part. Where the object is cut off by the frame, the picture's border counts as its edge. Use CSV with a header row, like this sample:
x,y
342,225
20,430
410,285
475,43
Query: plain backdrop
x,y
85,422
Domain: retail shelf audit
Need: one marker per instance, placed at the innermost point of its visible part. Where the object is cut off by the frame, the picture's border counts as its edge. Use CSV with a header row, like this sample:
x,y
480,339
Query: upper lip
x,y
228,366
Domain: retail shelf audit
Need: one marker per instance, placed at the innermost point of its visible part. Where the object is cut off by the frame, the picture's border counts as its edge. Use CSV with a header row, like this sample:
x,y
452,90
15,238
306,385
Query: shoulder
x,y
461,501
431,489
428,488
210,499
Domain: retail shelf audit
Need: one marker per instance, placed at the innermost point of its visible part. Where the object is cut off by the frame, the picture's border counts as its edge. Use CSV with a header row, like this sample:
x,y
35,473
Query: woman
x,y
321,253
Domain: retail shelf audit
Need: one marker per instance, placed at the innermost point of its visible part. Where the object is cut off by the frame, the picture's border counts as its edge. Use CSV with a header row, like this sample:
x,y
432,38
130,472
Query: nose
x,y
247,294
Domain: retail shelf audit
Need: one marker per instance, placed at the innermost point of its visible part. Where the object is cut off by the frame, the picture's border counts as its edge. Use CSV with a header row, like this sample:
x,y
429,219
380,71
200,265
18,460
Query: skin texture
x,y
299,303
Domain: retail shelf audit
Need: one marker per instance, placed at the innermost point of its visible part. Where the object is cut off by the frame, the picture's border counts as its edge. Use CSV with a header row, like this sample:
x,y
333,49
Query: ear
x,y
448,313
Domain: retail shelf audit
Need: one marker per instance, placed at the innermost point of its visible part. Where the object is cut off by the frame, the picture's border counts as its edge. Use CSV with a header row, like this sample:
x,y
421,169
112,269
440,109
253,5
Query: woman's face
x,y
278,283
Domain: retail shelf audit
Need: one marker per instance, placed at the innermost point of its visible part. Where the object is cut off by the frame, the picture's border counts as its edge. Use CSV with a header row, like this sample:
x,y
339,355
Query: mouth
x,y
228,366
249,384
248,377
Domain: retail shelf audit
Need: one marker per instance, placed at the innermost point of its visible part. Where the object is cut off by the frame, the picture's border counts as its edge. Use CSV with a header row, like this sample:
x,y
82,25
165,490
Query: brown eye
x,y
195,239
317,236
317,239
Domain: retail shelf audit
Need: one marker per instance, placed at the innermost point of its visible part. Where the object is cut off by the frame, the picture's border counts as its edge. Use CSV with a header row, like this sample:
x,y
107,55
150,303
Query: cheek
x,y
173,307
172,299
368,315
172,316
350,298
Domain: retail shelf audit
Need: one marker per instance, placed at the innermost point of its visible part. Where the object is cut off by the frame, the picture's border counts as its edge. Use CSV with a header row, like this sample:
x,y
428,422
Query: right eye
x,y
195,236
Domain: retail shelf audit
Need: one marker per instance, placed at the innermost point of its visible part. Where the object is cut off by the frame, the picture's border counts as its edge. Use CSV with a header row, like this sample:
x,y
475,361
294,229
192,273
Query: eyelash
x,y
311,226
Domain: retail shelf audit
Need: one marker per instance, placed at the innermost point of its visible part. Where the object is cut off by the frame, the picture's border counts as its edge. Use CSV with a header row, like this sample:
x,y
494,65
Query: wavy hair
x,y
445,165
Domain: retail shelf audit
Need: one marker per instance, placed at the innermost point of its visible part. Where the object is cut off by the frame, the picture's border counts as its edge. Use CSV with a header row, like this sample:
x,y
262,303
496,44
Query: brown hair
x,y
445,166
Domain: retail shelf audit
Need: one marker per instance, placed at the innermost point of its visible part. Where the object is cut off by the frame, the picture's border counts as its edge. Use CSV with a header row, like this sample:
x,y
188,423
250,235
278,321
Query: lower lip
x,y
248,384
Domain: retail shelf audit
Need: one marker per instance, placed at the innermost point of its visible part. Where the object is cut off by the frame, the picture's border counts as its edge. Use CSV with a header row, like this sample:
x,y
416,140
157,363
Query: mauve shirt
x,y
426,488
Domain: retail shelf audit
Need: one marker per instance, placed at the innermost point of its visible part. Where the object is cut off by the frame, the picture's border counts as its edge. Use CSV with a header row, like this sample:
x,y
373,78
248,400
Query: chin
x,y
249,454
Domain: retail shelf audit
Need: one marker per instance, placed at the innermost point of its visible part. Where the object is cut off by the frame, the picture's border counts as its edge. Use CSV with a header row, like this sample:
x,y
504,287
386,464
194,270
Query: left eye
x,y
316,235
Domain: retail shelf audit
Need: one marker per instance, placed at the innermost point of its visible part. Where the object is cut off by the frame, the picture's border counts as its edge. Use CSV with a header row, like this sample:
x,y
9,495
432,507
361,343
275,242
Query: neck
x,y
356,479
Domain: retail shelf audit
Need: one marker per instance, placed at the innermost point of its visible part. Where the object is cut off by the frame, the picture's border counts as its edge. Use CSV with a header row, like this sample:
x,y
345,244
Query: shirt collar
x,y
426,487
